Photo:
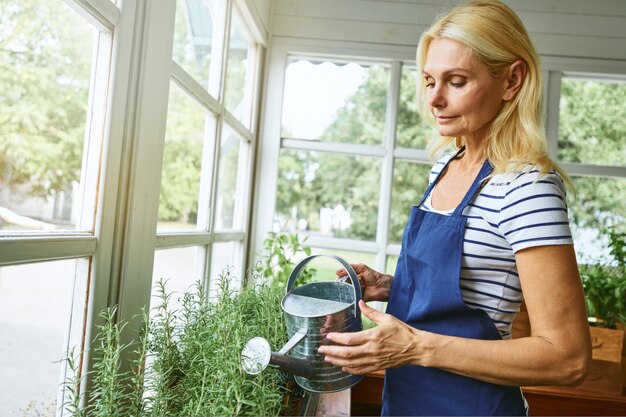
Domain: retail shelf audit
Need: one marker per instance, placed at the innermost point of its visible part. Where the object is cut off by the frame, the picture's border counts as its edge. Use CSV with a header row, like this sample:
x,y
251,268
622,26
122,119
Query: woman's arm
x,y
557,352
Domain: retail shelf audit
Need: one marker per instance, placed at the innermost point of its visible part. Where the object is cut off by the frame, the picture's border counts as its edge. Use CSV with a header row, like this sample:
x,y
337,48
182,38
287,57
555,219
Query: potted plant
x,y
604,284
187,362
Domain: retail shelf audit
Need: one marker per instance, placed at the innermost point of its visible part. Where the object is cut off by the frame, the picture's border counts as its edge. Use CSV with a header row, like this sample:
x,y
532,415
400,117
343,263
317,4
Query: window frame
x,y
283,49
117,232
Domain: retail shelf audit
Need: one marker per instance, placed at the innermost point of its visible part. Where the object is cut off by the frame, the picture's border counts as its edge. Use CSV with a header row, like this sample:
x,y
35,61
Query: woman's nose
x,y
436,97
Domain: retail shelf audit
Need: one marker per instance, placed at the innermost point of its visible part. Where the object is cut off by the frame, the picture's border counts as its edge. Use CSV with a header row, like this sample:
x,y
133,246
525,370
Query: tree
x,y
593,130
326,179
44,85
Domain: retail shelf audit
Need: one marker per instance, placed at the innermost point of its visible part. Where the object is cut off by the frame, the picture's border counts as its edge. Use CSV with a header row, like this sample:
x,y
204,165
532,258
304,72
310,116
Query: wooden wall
x,y
559,28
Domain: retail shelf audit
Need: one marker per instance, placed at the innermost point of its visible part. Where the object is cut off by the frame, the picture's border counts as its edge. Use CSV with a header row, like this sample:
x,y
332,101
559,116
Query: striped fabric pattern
x,y
513,211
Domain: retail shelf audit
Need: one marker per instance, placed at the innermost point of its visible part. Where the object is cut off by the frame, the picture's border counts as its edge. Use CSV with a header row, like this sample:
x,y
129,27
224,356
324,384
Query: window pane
x,y
392,262
193,38
325,267
45,71
328,194
35,304
599,203
410,180
239,75
187,126
592,122
411,130
180,269
230,188
227,260
335,102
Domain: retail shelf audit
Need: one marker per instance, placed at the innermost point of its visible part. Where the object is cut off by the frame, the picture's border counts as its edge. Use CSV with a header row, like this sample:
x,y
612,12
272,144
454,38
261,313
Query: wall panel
x,y
574,28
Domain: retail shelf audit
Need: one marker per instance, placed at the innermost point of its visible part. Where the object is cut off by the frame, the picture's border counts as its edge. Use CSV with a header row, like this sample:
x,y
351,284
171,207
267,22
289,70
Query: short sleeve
x,y
534,211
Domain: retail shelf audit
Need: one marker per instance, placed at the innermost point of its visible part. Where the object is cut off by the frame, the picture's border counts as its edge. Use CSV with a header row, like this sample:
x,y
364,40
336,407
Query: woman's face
x,y
462,95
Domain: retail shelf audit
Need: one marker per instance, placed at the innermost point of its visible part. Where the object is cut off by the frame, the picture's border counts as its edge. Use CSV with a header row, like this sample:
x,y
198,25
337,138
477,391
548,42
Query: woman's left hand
x,y
389,345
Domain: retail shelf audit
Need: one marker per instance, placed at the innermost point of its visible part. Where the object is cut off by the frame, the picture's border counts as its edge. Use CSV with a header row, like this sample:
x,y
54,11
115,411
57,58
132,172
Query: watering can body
x,y
311,312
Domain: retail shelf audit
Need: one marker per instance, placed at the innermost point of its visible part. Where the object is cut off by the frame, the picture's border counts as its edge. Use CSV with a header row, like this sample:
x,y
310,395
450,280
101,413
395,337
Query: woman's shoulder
x,y
439,164
525,180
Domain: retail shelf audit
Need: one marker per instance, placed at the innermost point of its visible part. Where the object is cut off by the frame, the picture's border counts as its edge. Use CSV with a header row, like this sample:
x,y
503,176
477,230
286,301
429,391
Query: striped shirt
x,y
513,211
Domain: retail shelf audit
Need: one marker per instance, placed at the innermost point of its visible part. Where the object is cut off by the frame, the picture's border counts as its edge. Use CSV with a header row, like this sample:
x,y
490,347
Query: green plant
x,y
605,283
280,252
187,363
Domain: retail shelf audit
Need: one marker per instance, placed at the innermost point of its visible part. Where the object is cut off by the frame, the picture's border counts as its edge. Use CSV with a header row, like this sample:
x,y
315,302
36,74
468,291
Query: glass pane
x,y
392,262
35,303
410,180
238,72
180,269
327,194
45,72
227,260
411,130
592,122
335,102
233,150
599,203
325,267
187,126
193,38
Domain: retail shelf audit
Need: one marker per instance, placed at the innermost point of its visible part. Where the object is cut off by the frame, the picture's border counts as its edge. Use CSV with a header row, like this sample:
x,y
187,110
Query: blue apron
x,y
426,294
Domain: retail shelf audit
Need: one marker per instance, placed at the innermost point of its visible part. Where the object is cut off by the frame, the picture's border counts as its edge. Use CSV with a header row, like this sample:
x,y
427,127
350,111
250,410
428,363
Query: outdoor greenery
x,y
281,253
44,84
605,283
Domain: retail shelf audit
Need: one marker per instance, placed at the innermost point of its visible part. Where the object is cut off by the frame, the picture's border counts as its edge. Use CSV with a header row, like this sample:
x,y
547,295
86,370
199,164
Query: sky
x,y
314,93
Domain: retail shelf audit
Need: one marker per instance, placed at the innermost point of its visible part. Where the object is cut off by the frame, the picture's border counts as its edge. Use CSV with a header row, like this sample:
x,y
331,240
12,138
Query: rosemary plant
x,y
187,363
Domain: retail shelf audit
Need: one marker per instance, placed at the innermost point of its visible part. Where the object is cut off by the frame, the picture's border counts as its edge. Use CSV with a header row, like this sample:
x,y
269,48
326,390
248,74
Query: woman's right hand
x,y
375,286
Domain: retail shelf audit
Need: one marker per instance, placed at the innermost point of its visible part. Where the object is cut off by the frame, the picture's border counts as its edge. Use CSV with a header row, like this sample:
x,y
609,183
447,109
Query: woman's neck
x,y
474,154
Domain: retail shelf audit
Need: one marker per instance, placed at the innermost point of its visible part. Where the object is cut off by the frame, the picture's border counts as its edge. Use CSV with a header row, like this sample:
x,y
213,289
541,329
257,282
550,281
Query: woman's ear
x,y
514,78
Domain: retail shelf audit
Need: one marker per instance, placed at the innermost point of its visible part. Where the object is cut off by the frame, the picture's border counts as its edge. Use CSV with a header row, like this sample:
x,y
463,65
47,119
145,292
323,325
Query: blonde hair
x,y
497,38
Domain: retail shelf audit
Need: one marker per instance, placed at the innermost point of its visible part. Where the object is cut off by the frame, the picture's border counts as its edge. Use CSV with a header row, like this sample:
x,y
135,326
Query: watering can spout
x,y
257,355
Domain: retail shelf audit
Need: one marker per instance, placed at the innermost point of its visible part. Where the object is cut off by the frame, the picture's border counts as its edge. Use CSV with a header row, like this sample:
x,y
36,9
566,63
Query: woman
x,y
491,229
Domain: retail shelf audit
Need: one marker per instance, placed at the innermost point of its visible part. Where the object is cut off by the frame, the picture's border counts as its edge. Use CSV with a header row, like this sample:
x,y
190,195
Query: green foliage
x,y
191,357
107,395
44,85
592,125
605,283
280,253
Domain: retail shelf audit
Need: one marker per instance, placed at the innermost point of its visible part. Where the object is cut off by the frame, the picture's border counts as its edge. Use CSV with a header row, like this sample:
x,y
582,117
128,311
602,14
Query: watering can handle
x,y
356,285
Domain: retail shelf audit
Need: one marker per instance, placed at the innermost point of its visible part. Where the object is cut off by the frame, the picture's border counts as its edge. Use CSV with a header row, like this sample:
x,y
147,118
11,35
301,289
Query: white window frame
x,y
267,168
135,41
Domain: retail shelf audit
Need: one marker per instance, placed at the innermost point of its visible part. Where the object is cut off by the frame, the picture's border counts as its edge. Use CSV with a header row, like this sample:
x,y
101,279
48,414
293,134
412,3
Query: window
x,y
352,155
53,67
591,145
48,142
323,100
207,162
36,303
110,152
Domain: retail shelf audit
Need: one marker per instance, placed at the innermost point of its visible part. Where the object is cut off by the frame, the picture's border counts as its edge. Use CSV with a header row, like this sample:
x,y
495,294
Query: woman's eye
x,y
458,84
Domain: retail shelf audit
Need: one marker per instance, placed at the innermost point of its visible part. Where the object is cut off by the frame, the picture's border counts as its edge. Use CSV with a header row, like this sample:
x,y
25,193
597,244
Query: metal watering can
x,y
311,312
